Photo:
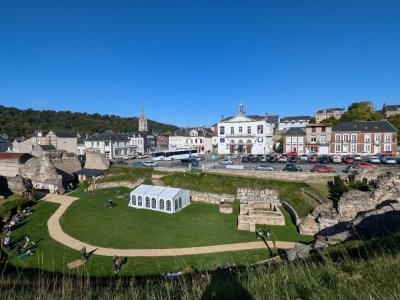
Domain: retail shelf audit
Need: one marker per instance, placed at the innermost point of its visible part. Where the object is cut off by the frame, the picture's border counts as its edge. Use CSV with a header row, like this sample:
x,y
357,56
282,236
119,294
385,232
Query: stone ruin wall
x,y
212,198
258,207
96,160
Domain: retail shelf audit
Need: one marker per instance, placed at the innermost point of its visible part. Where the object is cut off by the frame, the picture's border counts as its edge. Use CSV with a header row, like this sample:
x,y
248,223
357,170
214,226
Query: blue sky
x,y
189,62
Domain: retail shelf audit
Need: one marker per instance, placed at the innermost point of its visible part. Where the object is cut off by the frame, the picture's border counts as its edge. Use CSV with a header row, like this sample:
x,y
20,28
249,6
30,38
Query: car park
x,y
292,168
374,160
313,159
137,164
264,167
226,162
388,160
150,163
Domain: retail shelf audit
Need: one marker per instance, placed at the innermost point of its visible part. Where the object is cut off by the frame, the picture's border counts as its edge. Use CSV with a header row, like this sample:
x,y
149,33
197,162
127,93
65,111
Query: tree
x,y
395,121
331,120
361,111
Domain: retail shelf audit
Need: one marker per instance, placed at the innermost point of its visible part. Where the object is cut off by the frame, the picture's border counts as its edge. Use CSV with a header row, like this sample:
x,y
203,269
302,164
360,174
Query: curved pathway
x,y
60,236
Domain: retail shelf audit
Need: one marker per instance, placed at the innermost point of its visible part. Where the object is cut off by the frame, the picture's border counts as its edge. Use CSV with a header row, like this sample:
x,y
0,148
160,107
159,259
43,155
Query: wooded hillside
x,y
16,122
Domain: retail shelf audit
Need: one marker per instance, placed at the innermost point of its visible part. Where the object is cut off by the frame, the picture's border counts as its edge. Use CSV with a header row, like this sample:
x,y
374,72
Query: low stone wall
x,y
293,213
212,198
253,196
248,222
225,209
128,184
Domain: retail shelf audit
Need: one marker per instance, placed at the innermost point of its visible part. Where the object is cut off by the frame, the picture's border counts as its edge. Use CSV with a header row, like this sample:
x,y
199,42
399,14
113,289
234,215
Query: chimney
x,y
241,109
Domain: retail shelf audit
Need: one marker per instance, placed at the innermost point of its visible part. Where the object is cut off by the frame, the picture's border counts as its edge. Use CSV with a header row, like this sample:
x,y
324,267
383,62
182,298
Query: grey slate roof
x,y
202,131
295,131
64,134
330,110
107,135
295,118
273,119
365,126
392,107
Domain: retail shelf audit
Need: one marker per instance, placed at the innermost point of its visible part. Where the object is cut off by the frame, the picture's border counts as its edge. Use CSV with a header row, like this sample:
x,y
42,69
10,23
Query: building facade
x,y
109,143
200,138
318,138
293,122
243,134
390,110
364,137
329,113
294,140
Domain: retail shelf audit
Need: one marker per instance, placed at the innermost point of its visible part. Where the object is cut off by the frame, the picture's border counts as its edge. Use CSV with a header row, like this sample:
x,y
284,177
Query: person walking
x,y
84,253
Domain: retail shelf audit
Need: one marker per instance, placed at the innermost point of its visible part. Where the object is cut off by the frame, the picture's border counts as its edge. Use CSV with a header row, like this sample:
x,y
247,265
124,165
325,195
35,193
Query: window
x,y
260,129
180,202
221,130
240,129
377,138
323,139
153,203
248,129
168,205
98,144
117,151
140,201
176,205
288,140
345,137
323,129
354,137
337,137
300,141
313,129
232,130
388,147
133,200
337,148
222,140
367,138
147,201
161,204
313,139
353,148
387,137
107,144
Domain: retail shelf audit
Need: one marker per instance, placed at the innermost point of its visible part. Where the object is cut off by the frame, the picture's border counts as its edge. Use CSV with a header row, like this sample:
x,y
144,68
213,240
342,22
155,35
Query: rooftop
x,y
366,126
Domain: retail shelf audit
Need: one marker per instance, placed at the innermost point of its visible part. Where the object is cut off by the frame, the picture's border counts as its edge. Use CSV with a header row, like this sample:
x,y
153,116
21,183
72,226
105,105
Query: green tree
x,y
361,111
395,121
331,120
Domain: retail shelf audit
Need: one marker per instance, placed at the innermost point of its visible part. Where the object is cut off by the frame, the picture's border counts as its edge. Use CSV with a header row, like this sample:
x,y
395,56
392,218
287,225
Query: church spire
x,y
142,121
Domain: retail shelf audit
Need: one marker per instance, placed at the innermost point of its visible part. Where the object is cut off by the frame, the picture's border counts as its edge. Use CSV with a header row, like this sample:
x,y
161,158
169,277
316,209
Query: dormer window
x,y
193,133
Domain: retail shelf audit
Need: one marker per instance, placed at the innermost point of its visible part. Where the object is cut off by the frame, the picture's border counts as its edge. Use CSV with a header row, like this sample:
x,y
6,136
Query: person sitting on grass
x,y
26,254
110,204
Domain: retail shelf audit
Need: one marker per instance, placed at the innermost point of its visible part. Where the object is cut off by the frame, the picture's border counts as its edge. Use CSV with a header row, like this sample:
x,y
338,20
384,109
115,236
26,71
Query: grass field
x,y
288,191
198,224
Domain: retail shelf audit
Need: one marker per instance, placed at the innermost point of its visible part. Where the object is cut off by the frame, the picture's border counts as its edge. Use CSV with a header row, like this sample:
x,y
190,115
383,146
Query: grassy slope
x,y
122,173
289,191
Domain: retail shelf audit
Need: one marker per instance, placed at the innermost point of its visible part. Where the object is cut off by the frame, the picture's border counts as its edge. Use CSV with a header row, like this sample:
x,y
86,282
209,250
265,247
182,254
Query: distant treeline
x,y
17,122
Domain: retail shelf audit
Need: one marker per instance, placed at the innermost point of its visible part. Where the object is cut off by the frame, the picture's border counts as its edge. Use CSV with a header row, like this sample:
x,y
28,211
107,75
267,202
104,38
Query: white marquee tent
x,y
160,198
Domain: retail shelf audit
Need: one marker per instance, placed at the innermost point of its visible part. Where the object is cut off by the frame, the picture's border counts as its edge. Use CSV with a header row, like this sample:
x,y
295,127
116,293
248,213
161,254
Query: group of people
x,y
267,233
7,243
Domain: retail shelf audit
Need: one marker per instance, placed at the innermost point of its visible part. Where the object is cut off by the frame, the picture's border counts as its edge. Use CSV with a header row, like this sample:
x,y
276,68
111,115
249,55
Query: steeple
x,y
142,121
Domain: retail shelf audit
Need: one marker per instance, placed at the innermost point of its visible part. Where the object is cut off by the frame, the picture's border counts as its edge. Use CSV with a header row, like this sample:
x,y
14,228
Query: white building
x,y
111,144
243,134
202,139
164,199
293,122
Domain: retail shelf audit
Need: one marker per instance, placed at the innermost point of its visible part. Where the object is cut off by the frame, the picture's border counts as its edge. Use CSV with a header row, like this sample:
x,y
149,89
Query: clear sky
x,y
191,61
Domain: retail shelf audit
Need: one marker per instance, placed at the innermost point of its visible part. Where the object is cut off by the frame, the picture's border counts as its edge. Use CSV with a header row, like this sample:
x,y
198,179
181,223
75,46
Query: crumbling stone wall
x,y
258,207
96,160
212,198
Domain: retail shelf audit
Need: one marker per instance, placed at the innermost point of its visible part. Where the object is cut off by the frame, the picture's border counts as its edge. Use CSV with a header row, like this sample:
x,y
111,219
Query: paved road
x,y
60,236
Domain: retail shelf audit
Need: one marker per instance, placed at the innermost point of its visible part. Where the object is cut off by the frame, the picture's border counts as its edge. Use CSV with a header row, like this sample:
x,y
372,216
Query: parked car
x,y
293,153
322,169
187,161
324,159
282,159
246,159
150,163
389,153
388,160
348,160
365,165
304,157
273,159
226,162
352,169
264,167
313,159
137,164
140,156
398,161
264,158
365,153
337,159
357,157
292,168
292,159
374,160
254,159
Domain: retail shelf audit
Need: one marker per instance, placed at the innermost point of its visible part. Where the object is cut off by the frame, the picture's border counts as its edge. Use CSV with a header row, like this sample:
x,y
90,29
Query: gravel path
x,y
60,236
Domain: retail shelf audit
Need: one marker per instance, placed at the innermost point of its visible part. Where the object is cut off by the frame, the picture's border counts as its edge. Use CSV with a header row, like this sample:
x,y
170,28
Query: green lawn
x,y
10,202
52,256
125,173
288,191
